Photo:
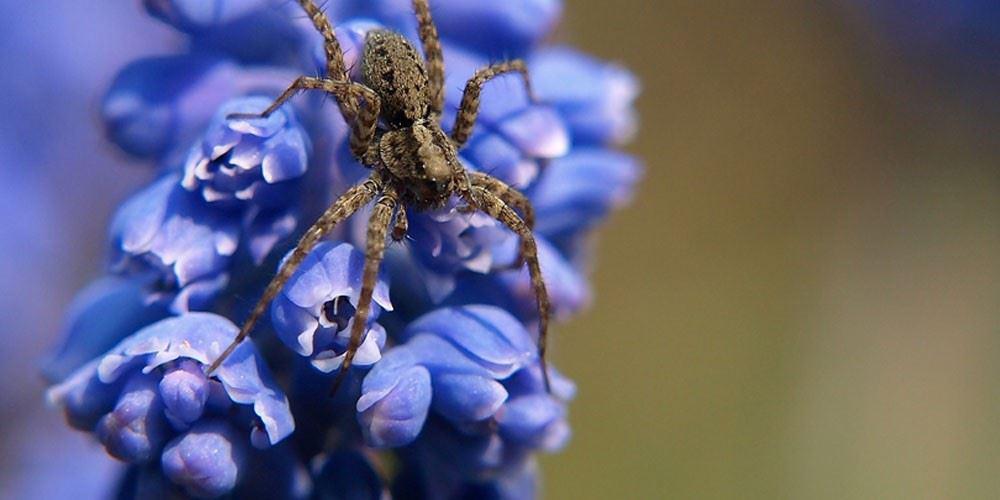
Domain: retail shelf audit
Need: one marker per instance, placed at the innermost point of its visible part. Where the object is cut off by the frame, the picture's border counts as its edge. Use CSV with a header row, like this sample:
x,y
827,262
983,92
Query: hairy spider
x,y
414,163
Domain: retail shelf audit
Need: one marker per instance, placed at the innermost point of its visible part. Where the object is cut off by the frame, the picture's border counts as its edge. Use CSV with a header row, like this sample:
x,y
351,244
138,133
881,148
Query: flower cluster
x,y
447,380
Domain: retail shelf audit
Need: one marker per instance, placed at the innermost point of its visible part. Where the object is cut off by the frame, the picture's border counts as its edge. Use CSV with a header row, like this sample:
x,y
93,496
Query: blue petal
x,y
497,28
155,103
578,191
184,391
441,357
205,460
310,285
385,375
598,106
333,270
299,314
294,325
527,419
272,36
201,15
135,429
467,398
166,230
492,154
100,316
488,334
248,162
538,131
569,291
397,416
267,229
84,398
202,337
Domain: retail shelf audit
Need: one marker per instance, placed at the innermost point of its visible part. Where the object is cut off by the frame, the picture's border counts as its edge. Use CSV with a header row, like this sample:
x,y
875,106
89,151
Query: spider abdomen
x,y
393,68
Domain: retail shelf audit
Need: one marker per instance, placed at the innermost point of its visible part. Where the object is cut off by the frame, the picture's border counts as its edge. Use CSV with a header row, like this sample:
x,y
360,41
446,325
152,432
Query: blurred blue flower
x,y
598,106
148,399
152,101
514,27
101,316
511,289
578,191
198,15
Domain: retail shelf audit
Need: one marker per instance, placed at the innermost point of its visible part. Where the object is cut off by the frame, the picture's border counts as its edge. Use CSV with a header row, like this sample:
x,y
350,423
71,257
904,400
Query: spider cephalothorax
x,y
395,119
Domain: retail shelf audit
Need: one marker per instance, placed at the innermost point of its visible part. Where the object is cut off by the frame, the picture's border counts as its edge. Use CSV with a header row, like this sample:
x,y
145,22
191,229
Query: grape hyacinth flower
x,y
313,314
446,397
149,401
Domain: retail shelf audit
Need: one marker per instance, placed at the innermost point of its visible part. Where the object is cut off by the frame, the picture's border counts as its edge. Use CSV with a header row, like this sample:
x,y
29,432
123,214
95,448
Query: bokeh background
x,y
801,303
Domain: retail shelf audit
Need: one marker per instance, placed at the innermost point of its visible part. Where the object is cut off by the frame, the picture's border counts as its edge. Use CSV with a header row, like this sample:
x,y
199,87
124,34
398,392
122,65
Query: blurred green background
x,y
802,302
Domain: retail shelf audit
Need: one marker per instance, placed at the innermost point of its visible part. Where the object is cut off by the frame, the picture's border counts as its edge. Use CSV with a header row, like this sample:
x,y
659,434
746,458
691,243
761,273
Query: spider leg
x,y
513,198
469,109
507,194
401,225
432,54
363,123
335,69
363,142
300,83
348,203
488,202
378,227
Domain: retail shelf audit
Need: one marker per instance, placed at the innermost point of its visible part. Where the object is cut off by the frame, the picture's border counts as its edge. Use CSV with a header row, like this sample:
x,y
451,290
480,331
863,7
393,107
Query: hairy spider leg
x,y
401,225
507,194
378,228
482,199
335,68
432,55
468,110
364,123
513,198
348,203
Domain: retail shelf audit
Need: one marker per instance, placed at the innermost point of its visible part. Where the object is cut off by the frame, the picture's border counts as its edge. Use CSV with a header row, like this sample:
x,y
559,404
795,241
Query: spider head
x,y
424,160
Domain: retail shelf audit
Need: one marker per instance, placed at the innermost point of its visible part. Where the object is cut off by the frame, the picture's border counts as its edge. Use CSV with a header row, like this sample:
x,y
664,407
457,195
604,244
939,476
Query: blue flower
x,y
156,106
448,384
167,232
578,191
154,103
511,289
457,362
598,106
313,313
148,399
448,241
204,460
100,317
246,161
514,27
198,15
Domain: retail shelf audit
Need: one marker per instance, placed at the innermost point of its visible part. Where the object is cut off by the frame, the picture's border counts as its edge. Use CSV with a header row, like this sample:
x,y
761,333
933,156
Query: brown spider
x,y
414,163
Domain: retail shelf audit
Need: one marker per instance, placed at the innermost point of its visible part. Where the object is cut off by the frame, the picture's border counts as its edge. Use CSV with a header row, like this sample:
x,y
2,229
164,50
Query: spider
x,y
413,162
